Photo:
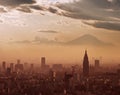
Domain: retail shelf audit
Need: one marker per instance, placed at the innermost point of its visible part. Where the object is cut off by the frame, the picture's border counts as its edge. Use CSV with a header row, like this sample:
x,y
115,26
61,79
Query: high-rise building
x,y
97,64
57,67
31,69
8,71
4,66
86,65
12,66
26,66
31,66
44,67
52,75
67,78
42,62
18,61
19,67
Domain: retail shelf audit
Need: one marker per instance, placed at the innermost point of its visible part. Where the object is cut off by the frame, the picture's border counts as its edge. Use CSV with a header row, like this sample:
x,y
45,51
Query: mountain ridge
x,y
88,39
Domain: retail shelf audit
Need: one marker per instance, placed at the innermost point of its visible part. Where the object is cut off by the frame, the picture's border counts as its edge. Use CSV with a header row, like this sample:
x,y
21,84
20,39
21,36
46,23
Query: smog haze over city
x,y
59,29
59,47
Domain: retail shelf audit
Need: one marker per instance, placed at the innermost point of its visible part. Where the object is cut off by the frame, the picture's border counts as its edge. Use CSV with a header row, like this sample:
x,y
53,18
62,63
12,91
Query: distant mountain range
x,y
88,39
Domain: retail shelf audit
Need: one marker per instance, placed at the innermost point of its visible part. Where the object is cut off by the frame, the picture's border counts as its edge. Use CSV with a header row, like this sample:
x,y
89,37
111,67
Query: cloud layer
x,y
15,3
105,13
106,25
47,31
96,10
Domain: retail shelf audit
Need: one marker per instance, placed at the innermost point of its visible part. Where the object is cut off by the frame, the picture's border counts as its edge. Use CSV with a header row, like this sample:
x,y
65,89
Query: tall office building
x,y
44,67
12,66
19,67
31,66
57,67
85,65
97,64
43,62
4,66
26,66
8,71
18,61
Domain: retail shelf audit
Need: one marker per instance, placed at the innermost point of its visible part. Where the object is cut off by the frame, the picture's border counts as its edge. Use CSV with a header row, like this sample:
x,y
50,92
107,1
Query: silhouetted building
x,y
118,72
52,75
8,71
12,66
97,63
67,78
19,67
31,68
85,65
26,66
42,62
57,67
4,66
18,61
44,67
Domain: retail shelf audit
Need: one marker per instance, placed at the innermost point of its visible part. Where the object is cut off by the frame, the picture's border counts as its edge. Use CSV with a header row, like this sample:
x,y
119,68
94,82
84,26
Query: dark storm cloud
x,y
15,3
20,5
52,10
88,9
24,9
107,25
84,16
37,7
99,3
98,10
116,3
26,6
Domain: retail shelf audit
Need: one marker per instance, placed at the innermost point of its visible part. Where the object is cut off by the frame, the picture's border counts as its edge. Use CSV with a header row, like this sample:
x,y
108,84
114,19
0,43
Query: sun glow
x,y
47,2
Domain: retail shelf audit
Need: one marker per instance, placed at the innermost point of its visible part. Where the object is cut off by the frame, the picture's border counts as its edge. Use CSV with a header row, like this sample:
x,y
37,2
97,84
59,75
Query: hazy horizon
x,y
60,30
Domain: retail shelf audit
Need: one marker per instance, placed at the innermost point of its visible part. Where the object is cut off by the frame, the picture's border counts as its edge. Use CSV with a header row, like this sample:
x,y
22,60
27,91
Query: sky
x,y
60,30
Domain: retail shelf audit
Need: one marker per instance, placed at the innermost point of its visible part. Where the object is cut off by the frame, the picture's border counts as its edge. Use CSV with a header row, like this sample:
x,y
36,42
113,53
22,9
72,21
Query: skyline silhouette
x,y
59,29
59,47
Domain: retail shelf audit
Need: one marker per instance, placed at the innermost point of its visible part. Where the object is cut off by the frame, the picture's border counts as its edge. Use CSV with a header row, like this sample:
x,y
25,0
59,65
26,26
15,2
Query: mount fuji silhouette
x,y
88,39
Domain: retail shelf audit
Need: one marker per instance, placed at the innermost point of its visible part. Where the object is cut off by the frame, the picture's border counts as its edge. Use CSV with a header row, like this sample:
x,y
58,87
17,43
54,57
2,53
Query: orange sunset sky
x,y
60,30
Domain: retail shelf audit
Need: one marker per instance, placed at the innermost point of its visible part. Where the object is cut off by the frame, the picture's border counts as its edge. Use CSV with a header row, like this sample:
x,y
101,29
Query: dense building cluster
x,y
21,79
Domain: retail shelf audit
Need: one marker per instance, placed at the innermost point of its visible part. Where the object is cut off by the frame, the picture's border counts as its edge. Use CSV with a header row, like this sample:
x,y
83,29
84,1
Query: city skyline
x,y
59,47
59,29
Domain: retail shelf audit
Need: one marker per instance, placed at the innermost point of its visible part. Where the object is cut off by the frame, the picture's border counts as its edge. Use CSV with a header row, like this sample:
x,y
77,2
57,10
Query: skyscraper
x,y
12,66
19,67
42,62
97,64
3,66
31,66
85,65
18,61
8,71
